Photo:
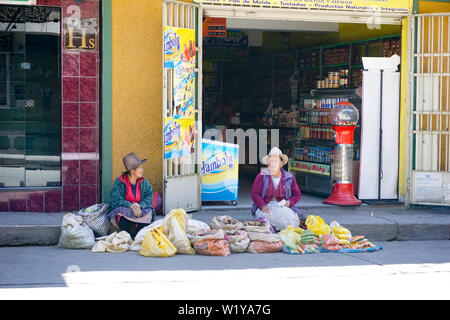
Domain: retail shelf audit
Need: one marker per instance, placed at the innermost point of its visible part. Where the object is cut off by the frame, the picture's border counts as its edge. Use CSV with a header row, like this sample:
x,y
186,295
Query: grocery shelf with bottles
x,y
313,147
293,91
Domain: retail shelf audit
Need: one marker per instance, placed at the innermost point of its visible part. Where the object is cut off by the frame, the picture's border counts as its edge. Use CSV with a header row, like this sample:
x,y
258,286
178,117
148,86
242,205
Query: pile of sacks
x,y
321,237
227,235
262,240
299,241
248,236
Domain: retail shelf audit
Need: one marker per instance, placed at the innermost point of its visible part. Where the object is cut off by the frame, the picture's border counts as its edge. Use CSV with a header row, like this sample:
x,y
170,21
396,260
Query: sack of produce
x,y
211,243
239,242
156,244
309,248
75,234
308,237
212,247
115,242
95,218
329,239
174,226
317,225
330,242
256,226
228,224
268,237
290,239
360,242
207,234
196,226
264,247
343,234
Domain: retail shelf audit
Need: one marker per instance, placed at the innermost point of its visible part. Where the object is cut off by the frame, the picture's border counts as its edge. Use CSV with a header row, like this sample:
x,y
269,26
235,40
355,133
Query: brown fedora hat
x,y
131,161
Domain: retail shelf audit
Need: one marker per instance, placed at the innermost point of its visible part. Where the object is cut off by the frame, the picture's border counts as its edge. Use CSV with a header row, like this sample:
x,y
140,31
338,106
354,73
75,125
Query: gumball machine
x,y
344,117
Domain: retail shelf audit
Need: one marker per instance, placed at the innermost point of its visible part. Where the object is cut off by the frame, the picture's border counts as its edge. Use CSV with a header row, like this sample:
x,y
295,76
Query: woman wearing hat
x,y
131,197
275,193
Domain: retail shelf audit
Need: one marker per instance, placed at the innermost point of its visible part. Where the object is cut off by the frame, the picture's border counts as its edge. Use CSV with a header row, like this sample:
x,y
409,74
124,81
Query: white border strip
x,y
80,156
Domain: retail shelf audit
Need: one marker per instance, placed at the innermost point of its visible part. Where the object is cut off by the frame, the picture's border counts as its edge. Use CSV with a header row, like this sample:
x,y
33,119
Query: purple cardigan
x,y
263,191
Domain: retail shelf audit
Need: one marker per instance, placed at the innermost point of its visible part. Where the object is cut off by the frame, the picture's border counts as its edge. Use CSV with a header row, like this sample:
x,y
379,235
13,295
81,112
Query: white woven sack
x,y
95,218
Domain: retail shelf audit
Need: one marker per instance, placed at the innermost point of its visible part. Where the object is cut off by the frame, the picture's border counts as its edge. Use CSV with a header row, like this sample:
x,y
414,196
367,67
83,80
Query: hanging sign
x,y
80,34
215,27
316,168
385,6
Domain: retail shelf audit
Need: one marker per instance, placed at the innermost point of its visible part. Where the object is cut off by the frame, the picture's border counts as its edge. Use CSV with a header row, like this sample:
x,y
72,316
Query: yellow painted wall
x,y
433,6
137,85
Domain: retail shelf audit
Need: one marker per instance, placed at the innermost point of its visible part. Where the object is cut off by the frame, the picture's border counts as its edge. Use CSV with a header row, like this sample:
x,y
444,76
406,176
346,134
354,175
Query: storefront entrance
x,y
272,82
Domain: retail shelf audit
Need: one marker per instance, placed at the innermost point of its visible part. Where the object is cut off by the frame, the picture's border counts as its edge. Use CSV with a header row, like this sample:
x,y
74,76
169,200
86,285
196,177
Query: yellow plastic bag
x,y
341,232
175,226
156,244
297,230
317,225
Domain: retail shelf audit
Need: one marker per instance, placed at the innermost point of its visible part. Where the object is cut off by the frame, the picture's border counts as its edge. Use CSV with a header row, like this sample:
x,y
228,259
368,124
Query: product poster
x,y
220,171
179,55
179,137
179,46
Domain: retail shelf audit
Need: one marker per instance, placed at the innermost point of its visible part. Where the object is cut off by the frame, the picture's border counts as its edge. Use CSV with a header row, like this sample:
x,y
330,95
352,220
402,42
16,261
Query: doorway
x,y
280,78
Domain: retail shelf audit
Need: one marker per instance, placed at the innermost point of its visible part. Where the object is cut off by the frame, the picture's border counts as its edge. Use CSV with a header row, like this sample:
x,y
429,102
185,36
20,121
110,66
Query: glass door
x,y
30,97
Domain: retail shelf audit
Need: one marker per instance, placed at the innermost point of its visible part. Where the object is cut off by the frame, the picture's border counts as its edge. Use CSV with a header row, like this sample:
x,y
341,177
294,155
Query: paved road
x,y
402,270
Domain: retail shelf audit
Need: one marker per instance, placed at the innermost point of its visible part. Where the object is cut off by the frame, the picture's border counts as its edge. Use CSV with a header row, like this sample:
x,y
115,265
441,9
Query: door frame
x,y
183,181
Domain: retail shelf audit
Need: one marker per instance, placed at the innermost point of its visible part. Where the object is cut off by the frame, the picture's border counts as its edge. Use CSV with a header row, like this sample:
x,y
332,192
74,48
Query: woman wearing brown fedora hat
x,y
131,197
275,193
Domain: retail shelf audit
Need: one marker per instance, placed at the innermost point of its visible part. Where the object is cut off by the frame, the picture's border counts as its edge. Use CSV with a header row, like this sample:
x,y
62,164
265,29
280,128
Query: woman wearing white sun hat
x,y
275,193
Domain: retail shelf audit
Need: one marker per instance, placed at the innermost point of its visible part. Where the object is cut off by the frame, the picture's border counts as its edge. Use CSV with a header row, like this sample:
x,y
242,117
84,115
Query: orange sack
x,y
212,247
264,246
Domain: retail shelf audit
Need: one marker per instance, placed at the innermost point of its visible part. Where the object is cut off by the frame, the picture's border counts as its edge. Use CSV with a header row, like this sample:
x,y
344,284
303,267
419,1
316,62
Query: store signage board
x,y
215,27
317,168
428,187
23,2
386,6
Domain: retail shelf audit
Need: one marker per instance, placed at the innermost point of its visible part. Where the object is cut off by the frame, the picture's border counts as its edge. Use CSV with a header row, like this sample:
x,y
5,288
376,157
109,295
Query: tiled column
x,y
80,118
80,124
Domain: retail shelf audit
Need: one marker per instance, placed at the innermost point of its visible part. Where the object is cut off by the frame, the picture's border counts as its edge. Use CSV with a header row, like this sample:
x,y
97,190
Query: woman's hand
x,y
265,209
136,209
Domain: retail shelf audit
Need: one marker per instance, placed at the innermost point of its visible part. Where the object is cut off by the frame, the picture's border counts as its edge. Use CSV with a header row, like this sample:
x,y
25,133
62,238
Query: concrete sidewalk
x,y
377,223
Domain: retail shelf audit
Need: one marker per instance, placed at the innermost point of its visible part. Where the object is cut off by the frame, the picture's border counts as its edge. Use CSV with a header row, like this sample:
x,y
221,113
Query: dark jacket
x,y
119,192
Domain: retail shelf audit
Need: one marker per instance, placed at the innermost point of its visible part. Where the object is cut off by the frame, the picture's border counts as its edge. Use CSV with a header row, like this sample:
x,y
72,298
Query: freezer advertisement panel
x,y
386,6
220,171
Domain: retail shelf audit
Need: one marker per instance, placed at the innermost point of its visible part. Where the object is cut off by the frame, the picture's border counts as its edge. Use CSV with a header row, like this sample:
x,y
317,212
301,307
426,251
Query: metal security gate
x,y
182,180
429,110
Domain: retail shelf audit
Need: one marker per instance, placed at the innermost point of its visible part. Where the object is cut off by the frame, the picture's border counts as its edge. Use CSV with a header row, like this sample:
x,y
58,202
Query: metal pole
x,y
381,136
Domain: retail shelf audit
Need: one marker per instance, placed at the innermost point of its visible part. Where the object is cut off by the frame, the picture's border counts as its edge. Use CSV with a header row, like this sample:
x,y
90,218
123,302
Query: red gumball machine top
x,y
344,117
344,114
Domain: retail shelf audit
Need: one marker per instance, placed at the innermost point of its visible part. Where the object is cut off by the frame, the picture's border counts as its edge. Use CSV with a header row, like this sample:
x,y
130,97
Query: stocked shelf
x,y
269,92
